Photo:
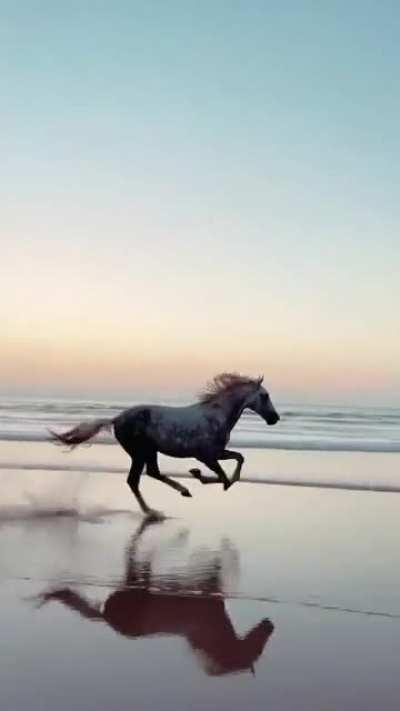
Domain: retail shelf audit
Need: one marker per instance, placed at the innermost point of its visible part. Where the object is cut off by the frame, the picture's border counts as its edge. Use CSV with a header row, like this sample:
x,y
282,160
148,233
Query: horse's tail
x,y
81,433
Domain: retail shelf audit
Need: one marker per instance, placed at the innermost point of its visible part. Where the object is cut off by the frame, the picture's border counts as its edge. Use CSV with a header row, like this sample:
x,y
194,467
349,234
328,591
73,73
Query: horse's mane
x,y
224,383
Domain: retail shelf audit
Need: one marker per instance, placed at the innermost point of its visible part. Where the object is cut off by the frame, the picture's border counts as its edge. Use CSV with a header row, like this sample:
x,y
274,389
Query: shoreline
x,y
313,484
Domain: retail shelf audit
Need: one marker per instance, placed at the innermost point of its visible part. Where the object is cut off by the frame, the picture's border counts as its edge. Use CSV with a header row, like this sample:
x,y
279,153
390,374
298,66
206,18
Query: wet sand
x,y
263,597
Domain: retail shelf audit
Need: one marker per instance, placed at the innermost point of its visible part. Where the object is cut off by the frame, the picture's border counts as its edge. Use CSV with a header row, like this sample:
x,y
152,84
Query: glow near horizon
x,y
193,189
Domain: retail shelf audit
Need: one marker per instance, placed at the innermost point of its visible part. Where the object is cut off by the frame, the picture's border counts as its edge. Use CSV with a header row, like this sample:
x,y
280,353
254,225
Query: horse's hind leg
x,y
136,448
154,471
133,481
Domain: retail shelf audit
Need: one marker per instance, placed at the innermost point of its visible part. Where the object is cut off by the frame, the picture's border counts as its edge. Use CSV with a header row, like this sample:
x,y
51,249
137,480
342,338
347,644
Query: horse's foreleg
x,y
215,466
154,471
74,601
204,479
228,454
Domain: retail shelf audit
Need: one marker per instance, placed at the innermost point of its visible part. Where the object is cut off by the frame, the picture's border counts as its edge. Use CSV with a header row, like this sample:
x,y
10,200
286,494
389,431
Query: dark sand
x,y
261,598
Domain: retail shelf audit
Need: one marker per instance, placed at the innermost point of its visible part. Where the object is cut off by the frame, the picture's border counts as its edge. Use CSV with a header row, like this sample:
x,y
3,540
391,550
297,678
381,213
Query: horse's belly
x,y
179,442
179,449
180,453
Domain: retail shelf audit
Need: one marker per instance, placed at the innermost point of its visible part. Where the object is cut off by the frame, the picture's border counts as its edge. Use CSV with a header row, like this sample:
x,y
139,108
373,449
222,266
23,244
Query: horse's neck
x,y
233,407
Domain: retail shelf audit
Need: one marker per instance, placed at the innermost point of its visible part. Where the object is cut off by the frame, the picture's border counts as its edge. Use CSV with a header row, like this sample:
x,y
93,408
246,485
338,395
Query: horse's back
x,y
149,421
177,431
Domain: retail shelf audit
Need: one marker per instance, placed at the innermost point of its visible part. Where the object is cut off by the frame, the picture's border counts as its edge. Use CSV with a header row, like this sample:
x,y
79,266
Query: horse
x,y
200,430
145,605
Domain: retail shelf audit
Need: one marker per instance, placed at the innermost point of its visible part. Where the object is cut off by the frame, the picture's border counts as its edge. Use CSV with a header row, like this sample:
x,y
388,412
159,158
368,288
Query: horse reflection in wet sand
x,y
201,430
189,605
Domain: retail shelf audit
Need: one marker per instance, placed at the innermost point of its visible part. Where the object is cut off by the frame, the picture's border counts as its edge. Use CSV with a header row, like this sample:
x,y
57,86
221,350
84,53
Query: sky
x,y
192,187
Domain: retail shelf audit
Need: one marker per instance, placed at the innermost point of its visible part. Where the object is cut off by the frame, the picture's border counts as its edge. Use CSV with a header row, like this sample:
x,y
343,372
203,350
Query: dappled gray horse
x,y
201,430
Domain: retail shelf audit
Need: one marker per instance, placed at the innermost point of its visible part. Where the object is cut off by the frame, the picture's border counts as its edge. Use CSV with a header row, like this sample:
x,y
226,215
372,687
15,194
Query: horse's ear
x,y
260,380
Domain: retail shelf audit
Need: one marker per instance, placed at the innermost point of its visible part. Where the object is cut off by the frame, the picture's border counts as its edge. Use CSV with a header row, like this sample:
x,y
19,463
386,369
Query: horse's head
x,y
232,654
252,645
260,402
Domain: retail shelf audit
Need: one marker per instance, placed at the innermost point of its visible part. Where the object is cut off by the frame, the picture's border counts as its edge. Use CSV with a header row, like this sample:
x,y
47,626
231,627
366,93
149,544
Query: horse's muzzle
x,y
273,419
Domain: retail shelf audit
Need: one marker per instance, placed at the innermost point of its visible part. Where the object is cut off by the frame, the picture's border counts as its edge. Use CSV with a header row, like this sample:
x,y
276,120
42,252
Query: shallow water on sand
x,y
263,597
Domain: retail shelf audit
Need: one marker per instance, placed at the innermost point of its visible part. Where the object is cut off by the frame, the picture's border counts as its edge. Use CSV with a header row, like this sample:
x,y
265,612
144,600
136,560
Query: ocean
x,y
311,427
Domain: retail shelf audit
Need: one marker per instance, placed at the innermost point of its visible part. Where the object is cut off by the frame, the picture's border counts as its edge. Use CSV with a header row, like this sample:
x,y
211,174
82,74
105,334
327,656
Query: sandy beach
x,y
263,597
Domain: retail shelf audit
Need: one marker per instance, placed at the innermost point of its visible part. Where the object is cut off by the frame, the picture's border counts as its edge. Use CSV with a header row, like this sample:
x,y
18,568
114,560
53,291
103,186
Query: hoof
x,y
186,493
195,472
227,485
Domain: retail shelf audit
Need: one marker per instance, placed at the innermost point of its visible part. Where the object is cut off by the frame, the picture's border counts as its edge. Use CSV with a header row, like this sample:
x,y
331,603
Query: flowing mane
x,y
224,383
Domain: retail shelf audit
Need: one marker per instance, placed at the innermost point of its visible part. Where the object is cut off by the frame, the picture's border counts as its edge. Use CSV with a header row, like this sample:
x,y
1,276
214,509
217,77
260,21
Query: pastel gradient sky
x,y
189,187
